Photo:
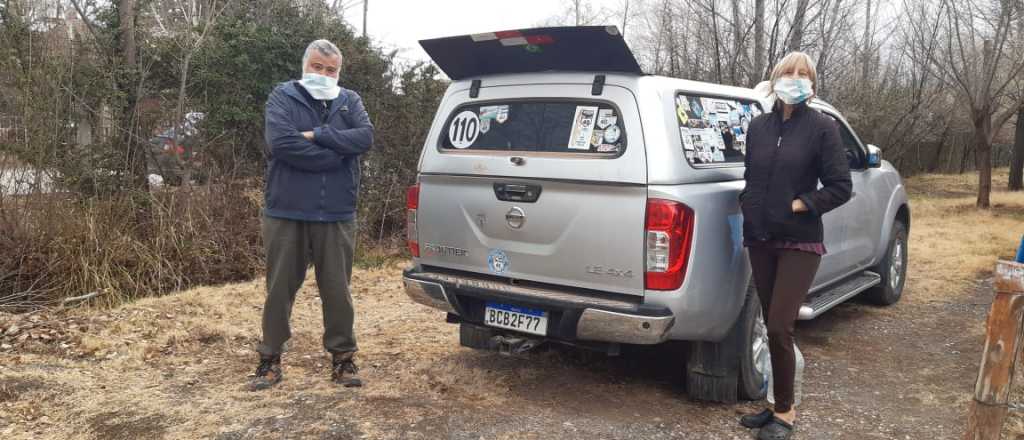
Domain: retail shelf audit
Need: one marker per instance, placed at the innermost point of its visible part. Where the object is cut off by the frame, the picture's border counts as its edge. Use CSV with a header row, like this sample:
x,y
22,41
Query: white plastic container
x,y
797,379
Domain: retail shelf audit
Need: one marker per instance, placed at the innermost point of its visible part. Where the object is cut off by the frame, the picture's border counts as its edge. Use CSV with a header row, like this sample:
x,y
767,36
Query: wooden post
x,y
1002,342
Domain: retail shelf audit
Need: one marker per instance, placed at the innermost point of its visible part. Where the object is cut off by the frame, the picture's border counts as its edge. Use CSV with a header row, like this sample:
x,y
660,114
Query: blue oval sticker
x,y
497,261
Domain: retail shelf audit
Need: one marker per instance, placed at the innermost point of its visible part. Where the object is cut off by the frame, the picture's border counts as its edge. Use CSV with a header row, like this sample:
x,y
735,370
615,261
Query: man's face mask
x,y
793,91
320,86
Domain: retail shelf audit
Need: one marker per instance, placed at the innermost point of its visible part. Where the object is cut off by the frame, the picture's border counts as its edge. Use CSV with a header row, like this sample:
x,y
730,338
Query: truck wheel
x,y
730,369
892,268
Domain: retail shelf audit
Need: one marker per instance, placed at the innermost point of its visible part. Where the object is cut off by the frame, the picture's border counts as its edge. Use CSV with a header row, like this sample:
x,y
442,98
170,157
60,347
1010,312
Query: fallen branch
x,y
89,295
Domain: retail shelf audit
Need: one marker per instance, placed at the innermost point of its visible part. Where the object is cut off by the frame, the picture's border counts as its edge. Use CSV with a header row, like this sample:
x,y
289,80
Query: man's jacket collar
x,y
291,88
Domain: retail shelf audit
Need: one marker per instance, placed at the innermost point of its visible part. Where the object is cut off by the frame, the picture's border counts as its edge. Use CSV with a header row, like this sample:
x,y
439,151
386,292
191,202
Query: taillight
x,y
412,203
669,231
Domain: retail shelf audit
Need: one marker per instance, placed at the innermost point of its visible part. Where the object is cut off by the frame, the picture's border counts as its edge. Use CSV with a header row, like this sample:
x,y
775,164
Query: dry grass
x,y
56,246
952,243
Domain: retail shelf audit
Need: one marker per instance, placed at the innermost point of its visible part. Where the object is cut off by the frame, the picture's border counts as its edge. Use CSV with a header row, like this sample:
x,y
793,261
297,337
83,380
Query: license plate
x,y
522,319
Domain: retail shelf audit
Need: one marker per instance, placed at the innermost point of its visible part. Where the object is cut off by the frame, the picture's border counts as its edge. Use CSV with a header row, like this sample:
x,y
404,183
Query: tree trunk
x,y
737,44
179,136
866,48
625,18
797,37
717,40
759,56
128,85
1017,163
983,157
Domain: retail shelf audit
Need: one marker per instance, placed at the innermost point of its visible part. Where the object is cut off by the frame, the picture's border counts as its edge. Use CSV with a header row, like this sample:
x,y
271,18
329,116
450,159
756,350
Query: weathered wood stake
x,y
1002,342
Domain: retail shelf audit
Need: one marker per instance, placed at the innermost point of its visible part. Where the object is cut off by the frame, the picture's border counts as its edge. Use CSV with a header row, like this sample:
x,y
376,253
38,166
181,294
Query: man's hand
x,y
799,206
308,135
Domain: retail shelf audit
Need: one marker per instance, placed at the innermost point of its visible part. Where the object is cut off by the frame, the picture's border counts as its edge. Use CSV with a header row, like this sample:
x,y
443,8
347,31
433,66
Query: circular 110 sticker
x,y
464,129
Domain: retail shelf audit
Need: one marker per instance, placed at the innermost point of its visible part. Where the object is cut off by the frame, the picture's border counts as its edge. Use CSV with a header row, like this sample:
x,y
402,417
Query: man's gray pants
x,y
290,246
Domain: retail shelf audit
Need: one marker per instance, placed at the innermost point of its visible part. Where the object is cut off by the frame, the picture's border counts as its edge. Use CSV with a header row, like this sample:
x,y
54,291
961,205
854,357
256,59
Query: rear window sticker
x,y
606,117
684,133
607,148
734,118
696,108
464,129
722,107
719,156
582,127
502,114
682,103
611,135
485,125
492,111
597,137
708,104
681,113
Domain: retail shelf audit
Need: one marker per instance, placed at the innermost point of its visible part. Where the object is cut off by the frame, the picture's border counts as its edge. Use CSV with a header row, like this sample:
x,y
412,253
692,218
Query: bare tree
x,y
759,55
797,33
977,57
196,18
1017,163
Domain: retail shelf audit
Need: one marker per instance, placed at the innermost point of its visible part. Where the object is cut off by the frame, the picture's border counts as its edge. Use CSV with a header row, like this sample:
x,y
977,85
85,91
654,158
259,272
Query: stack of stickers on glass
x,y
595,129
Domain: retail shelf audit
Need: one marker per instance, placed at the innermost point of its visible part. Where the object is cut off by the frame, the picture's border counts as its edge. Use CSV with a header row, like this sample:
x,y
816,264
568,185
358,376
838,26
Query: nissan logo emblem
x,y
515,218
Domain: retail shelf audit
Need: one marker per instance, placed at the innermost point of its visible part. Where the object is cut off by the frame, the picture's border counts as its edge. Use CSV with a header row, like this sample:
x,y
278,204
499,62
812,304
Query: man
x,y
315,132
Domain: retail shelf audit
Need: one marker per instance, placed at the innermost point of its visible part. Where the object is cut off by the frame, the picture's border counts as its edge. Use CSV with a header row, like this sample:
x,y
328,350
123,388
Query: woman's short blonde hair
x,y
795,59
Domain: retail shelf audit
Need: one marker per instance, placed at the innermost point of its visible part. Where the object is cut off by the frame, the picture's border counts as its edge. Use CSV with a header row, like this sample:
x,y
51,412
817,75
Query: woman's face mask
x,y
793,90
320,86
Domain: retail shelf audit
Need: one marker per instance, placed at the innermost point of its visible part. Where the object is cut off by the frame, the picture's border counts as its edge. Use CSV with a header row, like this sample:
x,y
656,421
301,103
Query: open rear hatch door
x,y
575,49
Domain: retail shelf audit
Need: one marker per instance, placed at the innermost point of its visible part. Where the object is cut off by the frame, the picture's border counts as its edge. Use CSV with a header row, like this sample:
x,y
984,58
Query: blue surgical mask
x,y
793,91
320,86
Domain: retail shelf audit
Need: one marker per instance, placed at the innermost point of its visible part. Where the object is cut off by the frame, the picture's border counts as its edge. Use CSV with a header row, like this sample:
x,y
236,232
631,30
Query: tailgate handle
x,y
517,192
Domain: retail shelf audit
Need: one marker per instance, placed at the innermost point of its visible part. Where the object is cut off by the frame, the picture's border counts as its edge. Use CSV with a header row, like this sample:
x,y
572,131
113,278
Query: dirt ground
x,y
175,368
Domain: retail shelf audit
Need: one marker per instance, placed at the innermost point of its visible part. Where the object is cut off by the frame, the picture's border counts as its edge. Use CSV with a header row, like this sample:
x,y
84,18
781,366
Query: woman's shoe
x,y
757,420
775,429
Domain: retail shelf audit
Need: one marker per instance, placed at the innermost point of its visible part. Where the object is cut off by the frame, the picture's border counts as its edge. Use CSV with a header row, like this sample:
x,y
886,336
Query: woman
x,y
788,151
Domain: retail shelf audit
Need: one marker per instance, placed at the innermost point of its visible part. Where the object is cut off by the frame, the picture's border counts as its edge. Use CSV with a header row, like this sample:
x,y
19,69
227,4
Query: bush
x,y
52,246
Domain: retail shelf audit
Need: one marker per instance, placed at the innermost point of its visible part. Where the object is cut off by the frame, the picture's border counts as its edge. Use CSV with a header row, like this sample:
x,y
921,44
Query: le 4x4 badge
x,y
497,261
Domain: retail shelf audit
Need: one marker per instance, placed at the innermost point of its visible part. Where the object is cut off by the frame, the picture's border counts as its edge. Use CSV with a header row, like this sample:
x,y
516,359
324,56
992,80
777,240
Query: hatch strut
x,y
598,86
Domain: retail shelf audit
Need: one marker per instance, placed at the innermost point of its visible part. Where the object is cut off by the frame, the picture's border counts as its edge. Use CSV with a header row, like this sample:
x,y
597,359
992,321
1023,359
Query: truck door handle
x,y
517,192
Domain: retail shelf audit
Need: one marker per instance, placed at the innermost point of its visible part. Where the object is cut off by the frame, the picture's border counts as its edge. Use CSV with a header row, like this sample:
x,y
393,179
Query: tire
x,y
892,268
727,370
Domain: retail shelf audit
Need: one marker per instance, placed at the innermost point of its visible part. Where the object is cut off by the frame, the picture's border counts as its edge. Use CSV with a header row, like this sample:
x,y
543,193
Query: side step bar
x,y
819,302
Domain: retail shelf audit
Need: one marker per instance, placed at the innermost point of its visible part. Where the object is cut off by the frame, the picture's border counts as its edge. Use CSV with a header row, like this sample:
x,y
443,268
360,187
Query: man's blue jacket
x,y
314,180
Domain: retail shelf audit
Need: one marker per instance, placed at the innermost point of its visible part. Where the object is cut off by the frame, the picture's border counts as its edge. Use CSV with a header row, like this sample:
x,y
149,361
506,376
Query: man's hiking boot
x,y
268,373
344,370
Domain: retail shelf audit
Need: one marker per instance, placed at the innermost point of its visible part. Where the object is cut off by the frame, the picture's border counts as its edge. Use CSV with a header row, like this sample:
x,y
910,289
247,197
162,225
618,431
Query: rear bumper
x,y
575,315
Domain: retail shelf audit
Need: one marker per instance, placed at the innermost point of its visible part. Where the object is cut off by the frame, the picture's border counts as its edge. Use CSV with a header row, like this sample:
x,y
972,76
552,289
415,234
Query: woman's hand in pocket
x,y
799,206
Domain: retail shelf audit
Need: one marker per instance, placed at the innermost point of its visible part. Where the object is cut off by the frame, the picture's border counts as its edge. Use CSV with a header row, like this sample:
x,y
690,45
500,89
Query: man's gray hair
x,y
325,47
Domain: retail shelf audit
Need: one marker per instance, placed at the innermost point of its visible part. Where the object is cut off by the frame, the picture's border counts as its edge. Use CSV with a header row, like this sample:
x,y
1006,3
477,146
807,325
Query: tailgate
x,y
586,235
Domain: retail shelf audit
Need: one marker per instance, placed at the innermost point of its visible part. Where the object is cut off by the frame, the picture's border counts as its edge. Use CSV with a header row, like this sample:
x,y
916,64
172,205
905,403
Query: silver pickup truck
x,y
564,196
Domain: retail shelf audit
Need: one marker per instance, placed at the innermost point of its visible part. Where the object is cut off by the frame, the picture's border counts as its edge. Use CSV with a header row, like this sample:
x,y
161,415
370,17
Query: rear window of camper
x,y
542,126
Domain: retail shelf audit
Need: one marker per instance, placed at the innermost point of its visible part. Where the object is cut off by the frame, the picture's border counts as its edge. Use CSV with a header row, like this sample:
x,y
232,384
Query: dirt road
x,y
174,367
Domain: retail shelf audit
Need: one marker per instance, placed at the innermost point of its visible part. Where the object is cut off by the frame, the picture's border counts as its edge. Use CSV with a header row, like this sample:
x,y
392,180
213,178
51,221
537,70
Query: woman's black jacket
x,y
785,161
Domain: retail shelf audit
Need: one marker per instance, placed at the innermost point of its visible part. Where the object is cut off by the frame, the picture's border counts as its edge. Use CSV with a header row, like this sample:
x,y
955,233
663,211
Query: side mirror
x,y
874,156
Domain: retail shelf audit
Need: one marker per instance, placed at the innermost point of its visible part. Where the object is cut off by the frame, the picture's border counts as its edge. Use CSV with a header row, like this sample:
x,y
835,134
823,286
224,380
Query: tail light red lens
x,y
668,235
412,203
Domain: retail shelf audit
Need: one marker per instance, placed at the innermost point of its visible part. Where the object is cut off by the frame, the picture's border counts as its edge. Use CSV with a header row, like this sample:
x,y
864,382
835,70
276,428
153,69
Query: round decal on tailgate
x,y
497,261
464,129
